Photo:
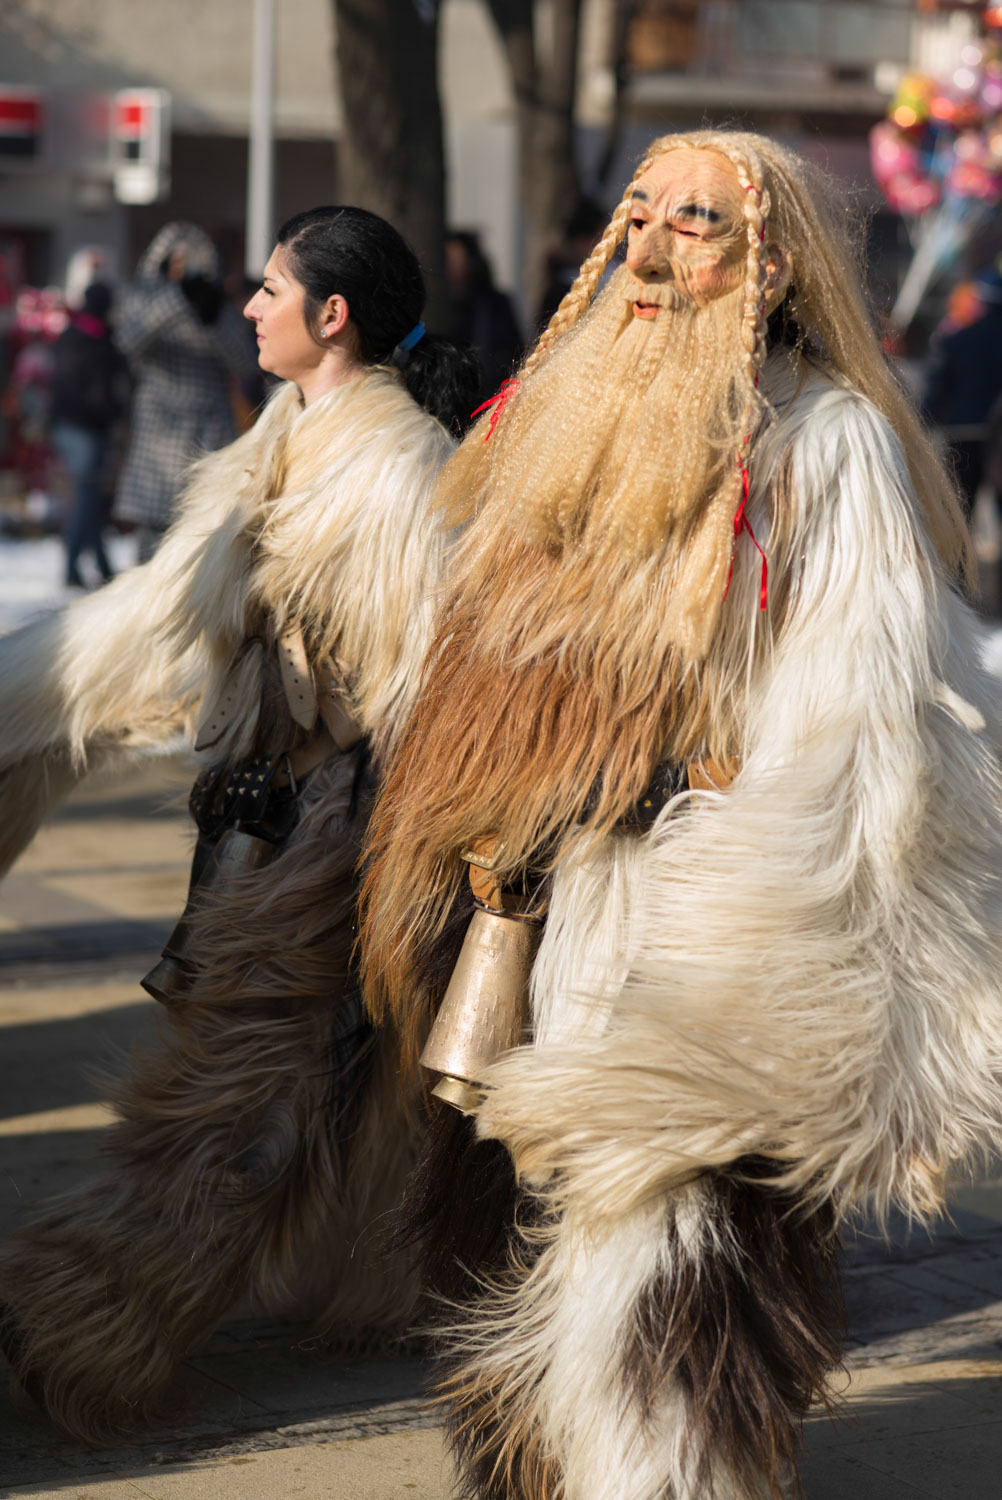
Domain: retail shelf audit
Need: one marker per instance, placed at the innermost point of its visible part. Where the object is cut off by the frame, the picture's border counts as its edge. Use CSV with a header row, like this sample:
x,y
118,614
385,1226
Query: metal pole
x,y
261,157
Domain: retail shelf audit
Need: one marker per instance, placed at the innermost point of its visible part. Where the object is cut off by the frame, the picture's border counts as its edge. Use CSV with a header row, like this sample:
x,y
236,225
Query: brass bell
x,y
485,1010
236,853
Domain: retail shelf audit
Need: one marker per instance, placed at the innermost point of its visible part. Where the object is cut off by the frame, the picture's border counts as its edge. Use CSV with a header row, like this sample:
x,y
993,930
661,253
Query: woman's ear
x,y
335,316
778,275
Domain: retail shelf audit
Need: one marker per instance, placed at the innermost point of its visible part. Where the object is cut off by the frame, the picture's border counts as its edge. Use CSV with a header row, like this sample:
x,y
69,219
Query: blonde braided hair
x,y
749,167
809,221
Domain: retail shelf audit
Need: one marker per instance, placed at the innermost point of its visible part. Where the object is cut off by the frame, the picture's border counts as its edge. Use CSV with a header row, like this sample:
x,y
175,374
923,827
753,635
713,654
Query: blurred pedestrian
x,y
965,381
90,389
40,315
481,313
582,230
187,347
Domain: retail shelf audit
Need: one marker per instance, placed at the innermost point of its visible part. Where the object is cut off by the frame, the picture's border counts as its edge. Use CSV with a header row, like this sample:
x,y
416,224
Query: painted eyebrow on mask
x,y
697,211
686,210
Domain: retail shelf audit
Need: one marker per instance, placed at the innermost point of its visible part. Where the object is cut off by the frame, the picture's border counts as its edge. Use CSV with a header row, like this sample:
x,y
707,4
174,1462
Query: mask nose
x,y
647,252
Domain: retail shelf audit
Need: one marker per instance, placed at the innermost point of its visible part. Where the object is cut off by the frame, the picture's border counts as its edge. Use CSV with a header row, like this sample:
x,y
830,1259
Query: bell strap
x,y
297,678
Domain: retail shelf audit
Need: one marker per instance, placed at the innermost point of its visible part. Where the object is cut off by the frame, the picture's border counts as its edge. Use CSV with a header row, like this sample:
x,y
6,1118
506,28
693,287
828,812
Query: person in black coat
x,y
89,393
480,313
965,382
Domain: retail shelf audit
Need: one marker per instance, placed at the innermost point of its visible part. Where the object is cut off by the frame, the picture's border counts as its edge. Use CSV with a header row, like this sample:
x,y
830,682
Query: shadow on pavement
x,y
55,1064
929,1431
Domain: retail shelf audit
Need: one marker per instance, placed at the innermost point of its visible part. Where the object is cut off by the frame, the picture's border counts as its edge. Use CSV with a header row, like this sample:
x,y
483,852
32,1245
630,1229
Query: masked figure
x,y
704,726
282,623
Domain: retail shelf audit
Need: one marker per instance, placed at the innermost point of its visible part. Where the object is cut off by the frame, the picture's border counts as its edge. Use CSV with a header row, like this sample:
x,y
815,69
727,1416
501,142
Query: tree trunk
x,y
544,83
623,15
391,157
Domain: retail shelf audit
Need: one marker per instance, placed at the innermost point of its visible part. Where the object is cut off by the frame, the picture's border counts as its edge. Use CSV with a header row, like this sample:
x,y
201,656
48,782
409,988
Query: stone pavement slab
x,y
920,1430
373,1468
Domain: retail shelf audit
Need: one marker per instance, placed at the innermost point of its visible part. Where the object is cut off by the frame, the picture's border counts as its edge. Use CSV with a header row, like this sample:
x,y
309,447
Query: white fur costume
x,y
805,968
229,1175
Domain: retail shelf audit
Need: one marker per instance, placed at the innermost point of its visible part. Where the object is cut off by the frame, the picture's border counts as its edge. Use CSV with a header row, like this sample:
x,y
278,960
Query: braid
x,y
756,209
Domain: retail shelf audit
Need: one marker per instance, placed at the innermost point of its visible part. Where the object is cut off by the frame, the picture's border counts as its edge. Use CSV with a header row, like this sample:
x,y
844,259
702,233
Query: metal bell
x,y
485,1010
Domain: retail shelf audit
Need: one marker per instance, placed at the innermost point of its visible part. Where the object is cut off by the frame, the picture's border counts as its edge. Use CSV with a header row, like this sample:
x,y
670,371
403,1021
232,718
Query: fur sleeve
x,y
110,674
80,688
814,964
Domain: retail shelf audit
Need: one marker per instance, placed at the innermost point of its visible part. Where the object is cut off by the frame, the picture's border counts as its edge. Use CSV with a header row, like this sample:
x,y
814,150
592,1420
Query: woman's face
x,y
285,344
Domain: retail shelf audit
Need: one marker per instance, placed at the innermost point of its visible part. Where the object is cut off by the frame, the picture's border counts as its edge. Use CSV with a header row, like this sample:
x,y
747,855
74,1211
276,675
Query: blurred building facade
x,y
817,73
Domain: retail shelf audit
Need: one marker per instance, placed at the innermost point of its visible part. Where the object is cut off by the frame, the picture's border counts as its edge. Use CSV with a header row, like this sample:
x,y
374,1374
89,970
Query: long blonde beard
x,y
568,660
622,446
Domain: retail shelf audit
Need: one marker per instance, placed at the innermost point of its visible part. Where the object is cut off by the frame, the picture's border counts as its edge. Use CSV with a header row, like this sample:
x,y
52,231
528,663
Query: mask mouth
x,y
648,297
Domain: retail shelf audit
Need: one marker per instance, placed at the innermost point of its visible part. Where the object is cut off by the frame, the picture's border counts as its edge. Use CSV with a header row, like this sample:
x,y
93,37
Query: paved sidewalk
x,y
260,1412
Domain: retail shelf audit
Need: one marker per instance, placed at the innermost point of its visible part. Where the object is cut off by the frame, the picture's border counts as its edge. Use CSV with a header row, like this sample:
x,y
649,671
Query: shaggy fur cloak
x,y
781,1002
260,1142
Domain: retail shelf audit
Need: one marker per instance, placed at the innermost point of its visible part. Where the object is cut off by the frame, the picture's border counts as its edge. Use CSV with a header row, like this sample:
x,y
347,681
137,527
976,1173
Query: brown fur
x,y
542,742
232,1174
750,1332
499,1453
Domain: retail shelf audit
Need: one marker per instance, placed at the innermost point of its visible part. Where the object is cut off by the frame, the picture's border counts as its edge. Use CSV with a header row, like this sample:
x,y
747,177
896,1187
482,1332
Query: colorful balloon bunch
x,y
942,139
937,158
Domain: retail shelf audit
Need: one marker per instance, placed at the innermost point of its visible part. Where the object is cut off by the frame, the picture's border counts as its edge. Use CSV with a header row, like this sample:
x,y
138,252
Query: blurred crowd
x,y
108,394
108,398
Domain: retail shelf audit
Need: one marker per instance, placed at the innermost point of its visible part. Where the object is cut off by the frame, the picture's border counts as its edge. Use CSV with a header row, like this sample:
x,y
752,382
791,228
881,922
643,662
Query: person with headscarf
x,y
186,347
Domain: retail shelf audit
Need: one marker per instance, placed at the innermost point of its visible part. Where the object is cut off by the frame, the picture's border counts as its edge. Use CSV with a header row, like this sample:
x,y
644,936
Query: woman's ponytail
x,y
443,377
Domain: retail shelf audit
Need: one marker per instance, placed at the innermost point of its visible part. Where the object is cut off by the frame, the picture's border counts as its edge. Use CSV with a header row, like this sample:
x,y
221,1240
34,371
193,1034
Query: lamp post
x,y
261,156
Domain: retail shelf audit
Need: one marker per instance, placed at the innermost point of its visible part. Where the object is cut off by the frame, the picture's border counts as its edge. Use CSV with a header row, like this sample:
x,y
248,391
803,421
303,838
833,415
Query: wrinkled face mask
x,y
687,240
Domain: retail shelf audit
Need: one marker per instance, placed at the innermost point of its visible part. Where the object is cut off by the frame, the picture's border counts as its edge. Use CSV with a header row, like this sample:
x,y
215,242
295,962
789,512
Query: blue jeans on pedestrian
x,y
81,451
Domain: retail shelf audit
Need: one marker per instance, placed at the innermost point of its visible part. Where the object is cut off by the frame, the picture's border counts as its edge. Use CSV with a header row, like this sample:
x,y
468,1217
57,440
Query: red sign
x,y
131,116
22,123
137,126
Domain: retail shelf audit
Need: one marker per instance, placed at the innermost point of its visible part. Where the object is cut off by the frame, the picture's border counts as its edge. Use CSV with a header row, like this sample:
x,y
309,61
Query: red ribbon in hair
x,y
499,402
742,523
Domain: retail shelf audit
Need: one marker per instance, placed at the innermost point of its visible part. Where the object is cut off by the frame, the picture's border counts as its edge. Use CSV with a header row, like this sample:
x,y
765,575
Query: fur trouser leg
x,y
226,1183
669,1356
254,1152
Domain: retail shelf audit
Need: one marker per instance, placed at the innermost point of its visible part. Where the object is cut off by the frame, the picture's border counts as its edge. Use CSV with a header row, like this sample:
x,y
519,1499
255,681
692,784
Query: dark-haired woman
x,y
282,623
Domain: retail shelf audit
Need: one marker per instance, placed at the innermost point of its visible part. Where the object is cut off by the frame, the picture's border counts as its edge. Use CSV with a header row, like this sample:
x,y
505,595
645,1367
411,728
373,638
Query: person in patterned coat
x,y
186,345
